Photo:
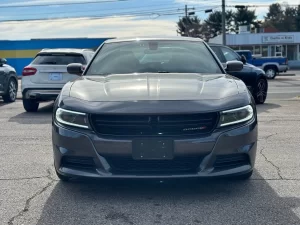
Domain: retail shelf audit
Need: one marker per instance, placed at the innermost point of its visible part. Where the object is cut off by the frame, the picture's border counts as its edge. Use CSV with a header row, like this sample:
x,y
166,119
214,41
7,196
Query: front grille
x,y
76,162
175,166
154,125
231,161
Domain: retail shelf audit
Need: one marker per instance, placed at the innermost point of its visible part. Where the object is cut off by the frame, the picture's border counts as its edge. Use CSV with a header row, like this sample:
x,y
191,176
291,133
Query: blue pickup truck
x,y
271,65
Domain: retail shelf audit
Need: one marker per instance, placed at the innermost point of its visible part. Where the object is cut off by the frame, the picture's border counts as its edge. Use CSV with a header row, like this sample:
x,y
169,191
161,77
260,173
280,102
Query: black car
x,y
154,108
254,77
8,82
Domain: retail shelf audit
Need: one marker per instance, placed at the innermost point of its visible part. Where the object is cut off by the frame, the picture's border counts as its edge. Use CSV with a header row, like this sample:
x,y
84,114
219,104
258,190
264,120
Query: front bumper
x,y
41,94
236,141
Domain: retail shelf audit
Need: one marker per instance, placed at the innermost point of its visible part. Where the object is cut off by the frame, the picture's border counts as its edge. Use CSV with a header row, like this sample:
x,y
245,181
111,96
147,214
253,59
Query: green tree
x,y
297,19
284,19
274,17
214,23
244,16
288,23
192,27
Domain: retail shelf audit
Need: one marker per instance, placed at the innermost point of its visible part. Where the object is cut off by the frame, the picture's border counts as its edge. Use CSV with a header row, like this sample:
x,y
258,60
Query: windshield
x,y
154,57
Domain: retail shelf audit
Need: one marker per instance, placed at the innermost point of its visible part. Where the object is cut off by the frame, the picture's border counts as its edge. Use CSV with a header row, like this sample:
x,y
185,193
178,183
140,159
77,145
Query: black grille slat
x,y
154,125
120,119
231,161
177,165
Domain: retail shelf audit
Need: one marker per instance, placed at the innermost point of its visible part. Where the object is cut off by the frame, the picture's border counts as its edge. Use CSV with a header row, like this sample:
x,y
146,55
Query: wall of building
x,y
20,53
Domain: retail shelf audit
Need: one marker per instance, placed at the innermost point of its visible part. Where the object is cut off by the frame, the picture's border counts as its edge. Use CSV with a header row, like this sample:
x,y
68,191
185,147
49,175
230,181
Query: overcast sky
x,y
116,18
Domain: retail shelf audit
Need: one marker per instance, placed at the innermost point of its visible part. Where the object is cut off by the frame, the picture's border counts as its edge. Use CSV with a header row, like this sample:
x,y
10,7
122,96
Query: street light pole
x,y
223,22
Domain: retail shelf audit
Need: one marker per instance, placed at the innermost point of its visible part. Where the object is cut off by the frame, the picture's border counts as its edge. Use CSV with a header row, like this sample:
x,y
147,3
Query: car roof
x,y
210,44
153,38
65,50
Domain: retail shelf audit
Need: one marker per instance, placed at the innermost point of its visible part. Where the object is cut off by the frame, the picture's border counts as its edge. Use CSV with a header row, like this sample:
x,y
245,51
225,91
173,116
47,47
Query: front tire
x,y
30,105
260,91
11,93
271,72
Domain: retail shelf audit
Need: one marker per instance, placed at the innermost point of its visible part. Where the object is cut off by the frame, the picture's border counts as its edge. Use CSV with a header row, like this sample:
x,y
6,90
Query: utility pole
x,y
223,22
186,18
188,12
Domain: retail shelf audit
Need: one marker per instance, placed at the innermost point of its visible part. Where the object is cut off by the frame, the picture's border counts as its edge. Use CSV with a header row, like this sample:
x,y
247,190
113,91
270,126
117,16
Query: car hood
x,y
250,65
255,68
137,87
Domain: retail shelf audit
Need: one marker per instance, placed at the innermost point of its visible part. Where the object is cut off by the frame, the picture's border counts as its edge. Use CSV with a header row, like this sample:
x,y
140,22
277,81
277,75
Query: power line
x,y
160,11
130,13
265,5
42,20
97,10
80,18
60,4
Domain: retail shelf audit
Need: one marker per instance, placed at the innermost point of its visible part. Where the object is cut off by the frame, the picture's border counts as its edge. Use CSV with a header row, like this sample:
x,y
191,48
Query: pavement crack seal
x,y
23,178
28,201
269,161
48,176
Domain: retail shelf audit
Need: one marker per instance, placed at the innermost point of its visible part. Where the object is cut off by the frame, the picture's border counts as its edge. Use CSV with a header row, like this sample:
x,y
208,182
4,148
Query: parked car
x,y
178,115
8,82
271,65
44,77
254,77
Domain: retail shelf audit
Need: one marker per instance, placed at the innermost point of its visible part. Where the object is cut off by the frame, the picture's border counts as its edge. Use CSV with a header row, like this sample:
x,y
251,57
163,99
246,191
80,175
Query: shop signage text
x,y
278,39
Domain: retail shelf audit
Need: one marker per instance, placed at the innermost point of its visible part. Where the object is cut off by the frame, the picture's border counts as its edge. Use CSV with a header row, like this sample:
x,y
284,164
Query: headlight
x,y
71,118
235,116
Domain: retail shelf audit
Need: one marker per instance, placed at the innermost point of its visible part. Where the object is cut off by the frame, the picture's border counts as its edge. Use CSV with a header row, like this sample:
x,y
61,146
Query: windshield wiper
x,y
163,72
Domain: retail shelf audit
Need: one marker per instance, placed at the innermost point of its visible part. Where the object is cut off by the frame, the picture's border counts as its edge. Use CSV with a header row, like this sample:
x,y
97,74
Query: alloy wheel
x,y
12,90
270,73
261,93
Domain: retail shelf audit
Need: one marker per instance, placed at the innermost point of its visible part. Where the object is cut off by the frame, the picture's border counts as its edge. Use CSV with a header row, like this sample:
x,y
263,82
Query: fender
x,y
270,64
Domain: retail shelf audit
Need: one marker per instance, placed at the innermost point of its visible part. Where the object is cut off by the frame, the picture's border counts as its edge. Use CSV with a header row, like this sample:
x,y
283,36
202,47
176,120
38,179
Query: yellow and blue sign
x,y
20,53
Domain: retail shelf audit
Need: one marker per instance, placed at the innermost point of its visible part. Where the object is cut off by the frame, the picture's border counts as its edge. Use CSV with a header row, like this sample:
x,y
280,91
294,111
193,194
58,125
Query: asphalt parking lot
x,y
31,194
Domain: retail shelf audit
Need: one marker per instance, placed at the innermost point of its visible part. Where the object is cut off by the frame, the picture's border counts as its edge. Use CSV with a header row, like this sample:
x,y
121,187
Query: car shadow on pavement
x,y
266,107
206,202
42,116
2,103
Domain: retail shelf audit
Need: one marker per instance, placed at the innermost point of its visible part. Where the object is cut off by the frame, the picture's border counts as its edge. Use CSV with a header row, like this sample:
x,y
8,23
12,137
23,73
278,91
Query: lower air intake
x,y
224,162
175,166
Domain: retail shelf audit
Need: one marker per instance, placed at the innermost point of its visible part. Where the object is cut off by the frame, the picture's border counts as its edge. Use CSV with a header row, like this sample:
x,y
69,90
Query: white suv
x,y
44,77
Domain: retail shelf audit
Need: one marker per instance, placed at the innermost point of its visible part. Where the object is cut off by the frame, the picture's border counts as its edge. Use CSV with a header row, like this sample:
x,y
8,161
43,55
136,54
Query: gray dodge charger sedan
x,y
154,108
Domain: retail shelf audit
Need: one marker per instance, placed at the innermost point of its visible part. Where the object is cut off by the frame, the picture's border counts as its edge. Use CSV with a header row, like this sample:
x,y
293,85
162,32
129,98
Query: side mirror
x,y
3,61
243,59
75,69
234,66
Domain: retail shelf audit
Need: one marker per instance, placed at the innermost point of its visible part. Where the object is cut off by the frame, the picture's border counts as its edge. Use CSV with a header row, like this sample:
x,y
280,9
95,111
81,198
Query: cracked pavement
x,y
30,193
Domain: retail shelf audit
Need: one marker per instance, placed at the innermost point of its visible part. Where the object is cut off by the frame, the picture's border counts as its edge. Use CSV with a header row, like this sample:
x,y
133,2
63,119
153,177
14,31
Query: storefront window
x,y
292,52
256,50
272,50
284,50
247,47
235,47
264,51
